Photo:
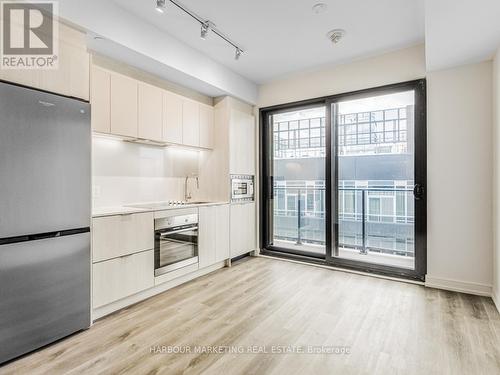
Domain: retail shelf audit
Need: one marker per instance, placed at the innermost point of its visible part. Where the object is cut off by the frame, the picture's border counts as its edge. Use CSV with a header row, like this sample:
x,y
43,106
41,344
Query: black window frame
x,y
420,171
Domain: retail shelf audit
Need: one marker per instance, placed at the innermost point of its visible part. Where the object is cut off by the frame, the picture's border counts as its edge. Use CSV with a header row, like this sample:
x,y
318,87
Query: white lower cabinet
x,y
121,277
213,244
206,239
222,233
123,253
243,229
118,235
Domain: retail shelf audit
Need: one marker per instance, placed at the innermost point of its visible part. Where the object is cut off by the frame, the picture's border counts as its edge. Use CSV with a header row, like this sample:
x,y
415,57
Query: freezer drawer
x,y
44,292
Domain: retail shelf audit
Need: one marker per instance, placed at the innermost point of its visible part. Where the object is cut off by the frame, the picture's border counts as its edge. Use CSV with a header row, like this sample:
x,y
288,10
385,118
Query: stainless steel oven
x,y
176,242
242,188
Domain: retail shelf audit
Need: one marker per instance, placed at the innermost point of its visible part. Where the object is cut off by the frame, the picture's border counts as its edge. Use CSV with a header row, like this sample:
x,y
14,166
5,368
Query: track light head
x,y
237,54
160,6
205,27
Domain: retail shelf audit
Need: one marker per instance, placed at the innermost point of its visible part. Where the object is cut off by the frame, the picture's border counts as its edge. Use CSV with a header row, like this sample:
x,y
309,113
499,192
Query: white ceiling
x,y
460,32
283,36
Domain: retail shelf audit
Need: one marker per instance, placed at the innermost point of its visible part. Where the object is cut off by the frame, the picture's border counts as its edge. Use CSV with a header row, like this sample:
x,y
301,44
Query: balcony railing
x,y
362,229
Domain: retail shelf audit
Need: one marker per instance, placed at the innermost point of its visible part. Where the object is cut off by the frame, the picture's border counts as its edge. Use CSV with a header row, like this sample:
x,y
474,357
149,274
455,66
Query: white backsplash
x,y
124,173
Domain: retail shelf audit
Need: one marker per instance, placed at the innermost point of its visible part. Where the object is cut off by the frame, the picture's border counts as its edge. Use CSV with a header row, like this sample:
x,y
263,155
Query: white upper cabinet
x,y
172,118
206,126
241,143
100,100
126,107
123,105
190,123
150,107
71,77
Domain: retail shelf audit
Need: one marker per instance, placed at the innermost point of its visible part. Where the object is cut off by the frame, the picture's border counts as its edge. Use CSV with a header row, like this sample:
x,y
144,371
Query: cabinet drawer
x,y
115,236
122,277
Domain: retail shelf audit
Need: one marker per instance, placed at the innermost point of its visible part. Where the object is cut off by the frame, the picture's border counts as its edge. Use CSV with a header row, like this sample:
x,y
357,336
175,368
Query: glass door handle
x,y
418,192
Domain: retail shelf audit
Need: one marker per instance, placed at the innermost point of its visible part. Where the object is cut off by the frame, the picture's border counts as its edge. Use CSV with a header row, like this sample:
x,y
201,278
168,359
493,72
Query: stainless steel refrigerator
x,y
44,218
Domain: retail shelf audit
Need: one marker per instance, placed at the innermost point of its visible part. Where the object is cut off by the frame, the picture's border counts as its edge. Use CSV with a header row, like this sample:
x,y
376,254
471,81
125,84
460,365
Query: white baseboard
x,y
496,299
145,294
458,286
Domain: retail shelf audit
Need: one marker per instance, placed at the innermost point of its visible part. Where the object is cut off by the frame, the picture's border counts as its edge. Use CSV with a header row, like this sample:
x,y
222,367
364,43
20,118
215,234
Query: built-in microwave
x,y
242,188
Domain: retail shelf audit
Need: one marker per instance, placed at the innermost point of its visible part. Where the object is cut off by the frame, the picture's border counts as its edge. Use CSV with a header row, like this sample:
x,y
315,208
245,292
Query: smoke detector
x,y
335,35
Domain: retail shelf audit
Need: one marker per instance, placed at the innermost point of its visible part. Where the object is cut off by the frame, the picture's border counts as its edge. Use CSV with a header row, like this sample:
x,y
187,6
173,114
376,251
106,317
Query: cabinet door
x,y
172,118
222,233
100,100
206,126
207,236
123,106
242,143
242,228
71,77
150,103
190,123
115,236
118,278
237,230
251,226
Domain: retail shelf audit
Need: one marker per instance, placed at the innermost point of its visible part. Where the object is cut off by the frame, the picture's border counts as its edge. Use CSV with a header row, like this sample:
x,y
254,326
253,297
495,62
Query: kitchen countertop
x,y
125,210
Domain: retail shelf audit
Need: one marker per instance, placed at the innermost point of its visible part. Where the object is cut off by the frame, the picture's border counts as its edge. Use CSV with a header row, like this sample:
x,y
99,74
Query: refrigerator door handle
x,y
44,236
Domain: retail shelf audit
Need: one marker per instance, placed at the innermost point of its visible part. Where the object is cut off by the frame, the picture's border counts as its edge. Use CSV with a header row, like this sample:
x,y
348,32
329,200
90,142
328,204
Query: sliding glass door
x,y
296,173
378,174
343,180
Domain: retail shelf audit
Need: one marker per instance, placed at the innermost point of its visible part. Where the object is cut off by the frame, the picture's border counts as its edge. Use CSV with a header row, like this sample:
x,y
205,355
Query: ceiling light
x,y
319,8
335,35
237,54
160,6
205,27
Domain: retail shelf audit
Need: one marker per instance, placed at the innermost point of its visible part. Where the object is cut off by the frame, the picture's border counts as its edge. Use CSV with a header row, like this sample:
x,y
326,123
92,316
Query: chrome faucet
x,y
187,194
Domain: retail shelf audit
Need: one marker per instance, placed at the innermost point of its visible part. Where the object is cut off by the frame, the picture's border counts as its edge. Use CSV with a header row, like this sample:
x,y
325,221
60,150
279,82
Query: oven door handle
x,y
163,234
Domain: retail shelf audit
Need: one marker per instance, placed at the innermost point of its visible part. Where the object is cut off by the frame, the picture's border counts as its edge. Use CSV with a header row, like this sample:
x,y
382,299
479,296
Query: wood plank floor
x,y
388,327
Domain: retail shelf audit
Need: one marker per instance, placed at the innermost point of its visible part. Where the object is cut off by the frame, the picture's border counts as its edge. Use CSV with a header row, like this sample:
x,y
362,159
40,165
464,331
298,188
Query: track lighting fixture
x,y
206,25
160,6
237,53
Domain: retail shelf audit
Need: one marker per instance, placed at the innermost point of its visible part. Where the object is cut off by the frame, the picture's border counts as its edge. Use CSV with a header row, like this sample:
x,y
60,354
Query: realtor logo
x,y
29,35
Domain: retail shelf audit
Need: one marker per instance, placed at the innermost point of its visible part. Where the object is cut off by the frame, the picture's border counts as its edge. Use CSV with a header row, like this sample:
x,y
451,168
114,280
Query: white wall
x,y
399,66
460,164
125,173
496,179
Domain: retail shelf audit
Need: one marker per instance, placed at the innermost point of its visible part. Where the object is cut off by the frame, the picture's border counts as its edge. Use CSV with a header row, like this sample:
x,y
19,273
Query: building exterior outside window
x,y
372,146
